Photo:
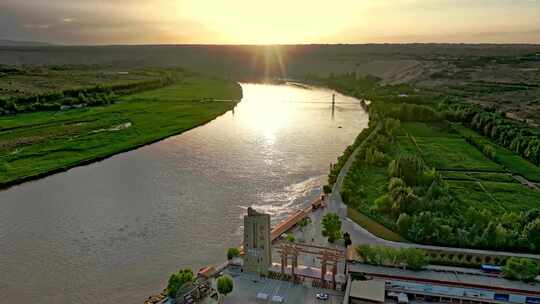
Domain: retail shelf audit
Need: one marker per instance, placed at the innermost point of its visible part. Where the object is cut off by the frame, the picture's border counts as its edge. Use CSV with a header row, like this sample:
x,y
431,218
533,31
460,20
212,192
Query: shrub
x,y
521,269
232,253
177,280
331,224
327,189
291,238
403,223
225,285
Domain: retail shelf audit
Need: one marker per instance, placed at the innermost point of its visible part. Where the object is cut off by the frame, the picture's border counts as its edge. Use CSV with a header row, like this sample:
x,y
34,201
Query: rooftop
x,y
448,278
371,290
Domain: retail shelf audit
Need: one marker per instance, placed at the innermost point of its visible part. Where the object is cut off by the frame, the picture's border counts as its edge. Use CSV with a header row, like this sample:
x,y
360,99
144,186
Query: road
x,y
360,235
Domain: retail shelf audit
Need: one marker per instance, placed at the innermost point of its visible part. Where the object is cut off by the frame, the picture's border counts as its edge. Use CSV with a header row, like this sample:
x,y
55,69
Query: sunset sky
x,y
269,22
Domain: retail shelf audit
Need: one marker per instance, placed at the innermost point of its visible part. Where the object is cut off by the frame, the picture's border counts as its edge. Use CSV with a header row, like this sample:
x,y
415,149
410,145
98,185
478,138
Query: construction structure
x,y
328,257
257,242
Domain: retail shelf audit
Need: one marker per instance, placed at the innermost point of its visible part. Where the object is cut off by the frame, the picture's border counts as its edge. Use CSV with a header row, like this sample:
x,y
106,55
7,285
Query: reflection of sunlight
x,y
264,111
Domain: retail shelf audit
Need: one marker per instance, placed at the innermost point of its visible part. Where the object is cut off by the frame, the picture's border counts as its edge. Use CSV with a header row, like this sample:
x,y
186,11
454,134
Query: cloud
x,y
280,21
99,22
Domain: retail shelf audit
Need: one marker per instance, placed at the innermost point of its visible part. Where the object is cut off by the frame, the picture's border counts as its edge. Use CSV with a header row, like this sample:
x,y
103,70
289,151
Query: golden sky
x,y
268,22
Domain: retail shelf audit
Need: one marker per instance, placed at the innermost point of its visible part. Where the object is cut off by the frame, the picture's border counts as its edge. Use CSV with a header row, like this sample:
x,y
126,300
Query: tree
x,y
233,253
415,259
331,224
225,285
532,215
403,223
177,280
383,204
409,168
291,238
304,222
531,234
521,269
347,239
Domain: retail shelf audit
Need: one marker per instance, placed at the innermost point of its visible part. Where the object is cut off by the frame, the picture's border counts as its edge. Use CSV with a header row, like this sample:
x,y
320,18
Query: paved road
x,y
360,235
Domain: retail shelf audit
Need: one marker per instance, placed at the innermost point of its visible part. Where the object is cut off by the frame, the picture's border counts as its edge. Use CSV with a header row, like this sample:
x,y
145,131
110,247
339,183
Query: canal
x,y
114,230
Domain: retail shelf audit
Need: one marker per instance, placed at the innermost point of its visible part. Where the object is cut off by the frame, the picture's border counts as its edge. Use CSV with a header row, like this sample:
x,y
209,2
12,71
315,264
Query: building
x,y
441,285
257,242
367,292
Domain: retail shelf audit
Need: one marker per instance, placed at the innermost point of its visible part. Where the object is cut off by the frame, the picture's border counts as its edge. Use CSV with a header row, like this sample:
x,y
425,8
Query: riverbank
x,y
38,144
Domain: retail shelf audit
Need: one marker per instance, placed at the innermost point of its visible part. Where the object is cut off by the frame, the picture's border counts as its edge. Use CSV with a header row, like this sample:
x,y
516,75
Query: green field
x,y
479,194
473,178
36,144
505,157
35,80
373,226
453,153
441,148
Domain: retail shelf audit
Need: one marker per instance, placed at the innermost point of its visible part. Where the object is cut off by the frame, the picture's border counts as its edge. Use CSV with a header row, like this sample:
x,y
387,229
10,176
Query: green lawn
x,y
513,162
483,176
406,145
39,143
454,153
373,226
421,129
442,148
495,196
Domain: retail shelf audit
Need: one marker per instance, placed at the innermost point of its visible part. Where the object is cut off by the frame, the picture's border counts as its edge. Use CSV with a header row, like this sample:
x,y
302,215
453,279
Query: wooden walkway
x,y
289,222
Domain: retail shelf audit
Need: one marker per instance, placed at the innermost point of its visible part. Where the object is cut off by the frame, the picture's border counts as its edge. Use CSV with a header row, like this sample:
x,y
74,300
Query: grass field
x,y
442,148
496,196
473,180
505,157
36,144
35,80
373,226
454,153
464,166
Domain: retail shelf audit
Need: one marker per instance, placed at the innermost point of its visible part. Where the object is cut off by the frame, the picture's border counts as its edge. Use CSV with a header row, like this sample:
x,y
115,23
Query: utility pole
x,y
333,104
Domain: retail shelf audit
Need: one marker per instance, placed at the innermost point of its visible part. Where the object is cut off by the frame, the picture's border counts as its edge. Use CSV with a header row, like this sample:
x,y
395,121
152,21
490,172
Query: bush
x,y
232,253
521,269
291,238
177,280
403,223
225,285
327,189
412,258
331,224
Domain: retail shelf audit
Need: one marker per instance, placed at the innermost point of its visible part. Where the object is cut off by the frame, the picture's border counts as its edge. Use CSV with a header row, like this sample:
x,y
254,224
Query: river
x,y
114,230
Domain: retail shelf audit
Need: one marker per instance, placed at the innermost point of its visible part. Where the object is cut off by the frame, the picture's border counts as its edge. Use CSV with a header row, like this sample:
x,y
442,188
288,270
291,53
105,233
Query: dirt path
x,y
526,182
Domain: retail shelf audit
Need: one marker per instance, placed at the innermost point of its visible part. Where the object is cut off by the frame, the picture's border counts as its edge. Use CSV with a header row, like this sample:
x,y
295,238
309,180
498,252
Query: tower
x,y
257,243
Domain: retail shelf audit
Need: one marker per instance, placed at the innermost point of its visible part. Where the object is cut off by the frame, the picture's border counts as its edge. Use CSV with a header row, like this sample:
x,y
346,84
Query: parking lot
x,y
247,286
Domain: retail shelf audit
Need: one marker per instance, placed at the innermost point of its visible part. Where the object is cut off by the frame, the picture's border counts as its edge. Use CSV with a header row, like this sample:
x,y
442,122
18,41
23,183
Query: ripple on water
x,y
114,230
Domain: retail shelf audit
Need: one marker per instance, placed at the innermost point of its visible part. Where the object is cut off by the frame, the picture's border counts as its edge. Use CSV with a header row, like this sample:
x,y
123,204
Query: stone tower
x,y
257,243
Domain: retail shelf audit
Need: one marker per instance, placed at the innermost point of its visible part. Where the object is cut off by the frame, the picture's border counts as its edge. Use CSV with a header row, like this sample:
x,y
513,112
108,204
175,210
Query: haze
x,y
268,22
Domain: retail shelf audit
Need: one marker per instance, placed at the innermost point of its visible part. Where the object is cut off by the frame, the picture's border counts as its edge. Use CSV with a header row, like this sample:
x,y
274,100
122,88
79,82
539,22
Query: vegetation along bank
x,y
442,172
35,143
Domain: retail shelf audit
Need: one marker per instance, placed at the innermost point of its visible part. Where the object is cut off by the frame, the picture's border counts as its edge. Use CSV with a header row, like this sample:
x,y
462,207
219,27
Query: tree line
x,y
102,94
516,136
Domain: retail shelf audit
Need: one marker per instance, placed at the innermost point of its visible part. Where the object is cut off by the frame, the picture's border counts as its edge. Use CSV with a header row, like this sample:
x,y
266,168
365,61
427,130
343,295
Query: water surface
x,y
115,230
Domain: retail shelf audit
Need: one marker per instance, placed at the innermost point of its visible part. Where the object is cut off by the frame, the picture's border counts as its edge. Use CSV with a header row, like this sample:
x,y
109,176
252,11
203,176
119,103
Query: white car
x,y
322,296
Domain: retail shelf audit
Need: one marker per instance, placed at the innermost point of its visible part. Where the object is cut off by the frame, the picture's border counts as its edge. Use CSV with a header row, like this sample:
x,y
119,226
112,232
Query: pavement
x,y
247,286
